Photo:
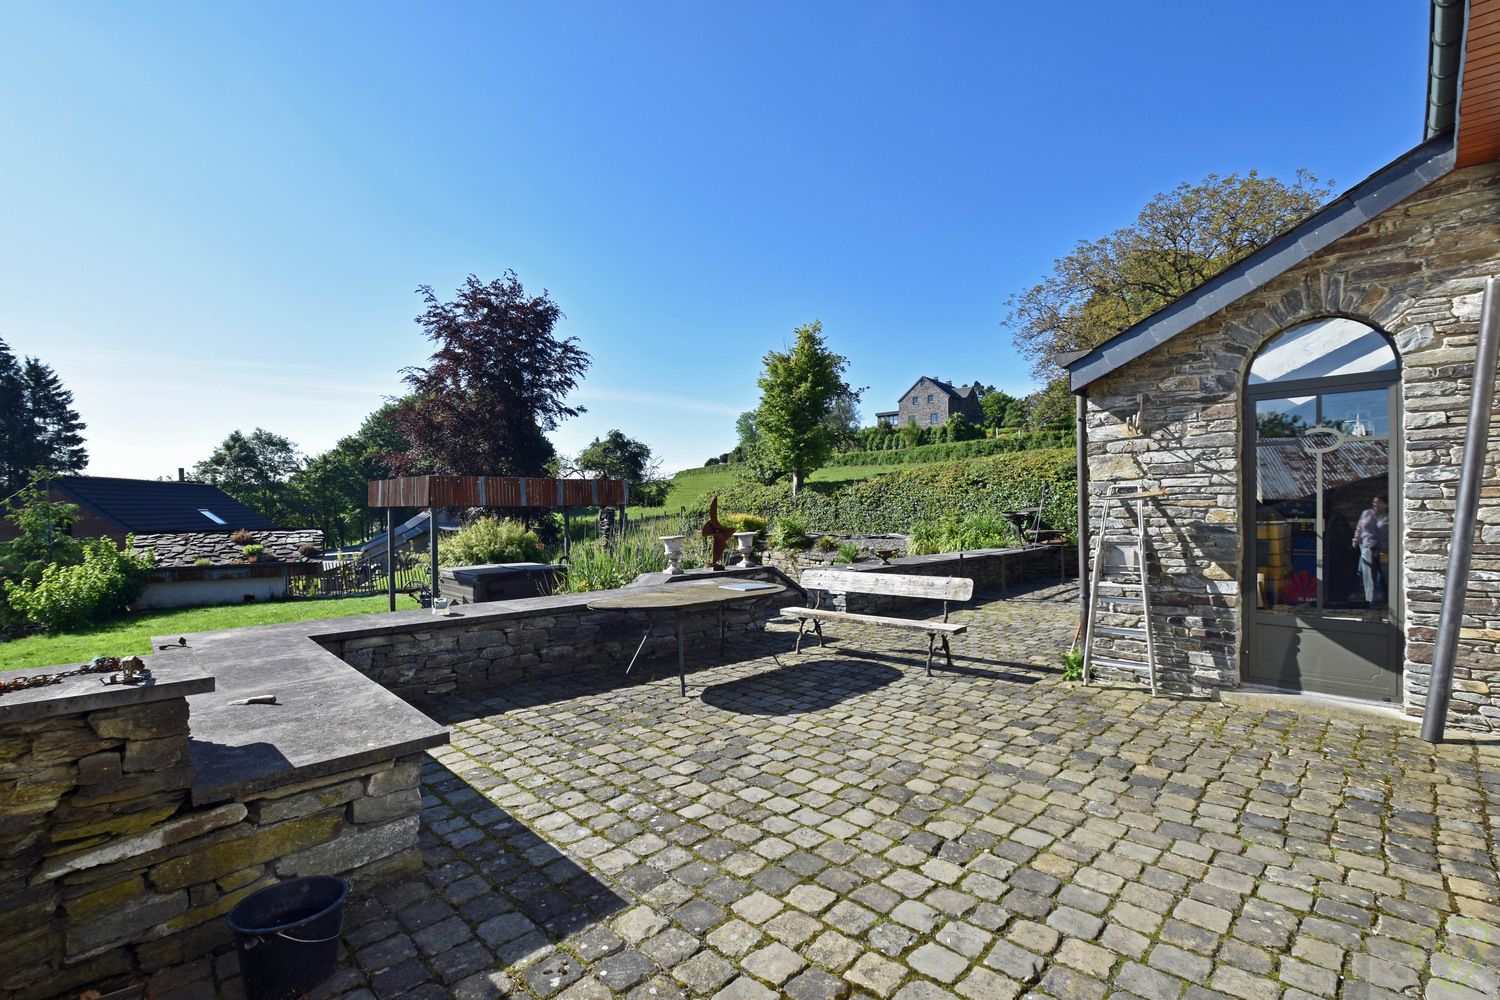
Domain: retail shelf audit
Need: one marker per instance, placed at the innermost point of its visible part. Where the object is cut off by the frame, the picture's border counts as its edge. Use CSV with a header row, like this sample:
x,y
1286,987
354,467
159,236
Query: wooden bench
x,y
935,588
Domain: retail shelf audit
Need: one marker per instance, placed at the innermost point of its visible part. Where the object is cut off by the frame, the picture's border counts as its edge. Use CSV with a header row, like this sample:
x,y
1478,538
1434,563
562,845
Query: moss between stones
x,y
260,846
92,905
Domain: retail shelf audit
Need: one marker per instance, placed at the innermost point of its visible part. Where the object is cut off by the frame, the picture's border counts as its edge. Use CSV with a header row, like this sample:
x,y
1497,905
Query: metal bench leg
x,y
818,627
801,627
948,652
931,641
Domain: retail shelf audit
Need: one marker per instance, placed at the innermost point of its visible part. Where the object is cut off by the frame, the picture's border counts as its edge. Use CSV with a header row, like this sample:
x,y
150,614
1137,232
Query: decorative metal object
x,y
132,671
718,534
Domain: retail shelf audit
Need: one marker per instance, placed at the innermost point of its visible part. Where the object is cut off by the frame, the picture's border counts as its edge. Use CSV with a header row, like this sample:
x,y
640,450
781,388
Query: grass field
x,y
694,486
131,635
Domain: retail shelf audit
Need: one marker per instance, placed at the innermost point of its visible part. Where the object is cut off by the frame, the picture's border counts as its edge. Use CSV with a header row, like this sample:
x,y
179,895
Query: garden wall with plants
x,y
895,501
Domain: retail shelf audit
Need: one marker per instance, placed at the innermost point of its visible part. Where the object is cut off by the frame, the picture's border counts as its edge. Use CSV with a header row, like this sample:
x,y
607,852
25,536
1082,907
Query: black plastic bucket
x,y
287,936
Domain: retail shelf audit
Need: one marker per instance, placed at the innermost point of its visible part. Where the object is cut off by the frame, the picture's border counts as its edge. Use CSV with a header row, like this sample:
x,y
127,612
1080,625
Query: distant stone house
x,y
1305,413
188,527
930,402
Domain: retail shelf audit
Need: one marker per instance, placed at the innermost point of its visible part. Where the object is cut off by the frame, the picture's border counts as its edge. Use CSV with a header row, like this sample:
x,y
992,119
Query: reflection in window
x,y
1323,347
1322,512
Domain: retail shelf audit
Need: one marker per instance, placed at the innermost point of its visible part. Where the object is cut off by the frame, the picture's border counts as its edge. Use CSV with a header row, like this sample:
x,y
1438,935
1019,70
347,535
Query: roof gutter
x,y
1444,65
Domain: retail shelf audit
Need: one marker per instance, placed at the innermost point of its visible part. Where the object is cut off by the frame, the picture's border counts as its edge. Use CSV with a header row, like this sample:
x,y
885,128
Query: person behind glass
x,y
1370,538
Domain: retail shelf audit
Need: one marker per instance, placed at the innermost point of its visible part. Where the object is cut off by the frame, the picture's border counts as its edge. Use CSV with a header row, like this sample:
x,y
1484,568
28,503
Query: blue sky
x,y
214,216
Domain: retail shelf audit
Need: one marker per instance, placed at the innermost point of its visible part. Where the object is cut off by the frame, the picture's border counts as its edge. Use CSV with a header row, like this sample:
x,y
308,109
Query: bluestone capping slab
x,y
89,692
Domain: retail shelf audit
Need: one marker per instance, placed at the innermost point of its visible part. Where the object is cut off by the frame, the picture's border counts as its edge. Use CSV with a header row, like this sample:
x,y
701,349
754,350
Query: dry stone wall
x,y
111,870
487,646
1416,272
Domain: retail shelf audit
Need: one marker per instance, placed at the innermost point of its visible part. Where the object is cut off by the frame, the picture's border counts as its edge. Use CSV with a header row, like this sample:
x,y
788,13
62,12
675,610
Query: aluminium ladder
x,y
1133,593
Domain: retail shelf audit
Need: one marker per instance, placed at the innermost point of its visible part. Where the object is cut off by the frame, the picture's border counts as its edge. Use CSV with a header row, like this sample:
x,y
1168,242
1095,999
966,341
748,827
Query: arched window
x,y
1321,349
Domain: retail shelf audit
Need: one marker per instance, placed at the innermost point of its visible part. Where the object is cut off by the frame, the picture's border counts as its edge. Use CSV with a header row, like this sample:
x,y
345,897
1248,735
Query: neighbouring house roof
x,y
1286,470
186,548
151,506
1461,128
961,391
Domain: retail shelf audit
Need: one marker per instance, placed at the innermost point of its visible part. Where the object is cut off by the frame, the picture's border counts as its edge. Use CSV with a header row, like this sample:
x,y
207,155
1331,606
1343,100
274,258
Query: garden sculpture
x,y
719,534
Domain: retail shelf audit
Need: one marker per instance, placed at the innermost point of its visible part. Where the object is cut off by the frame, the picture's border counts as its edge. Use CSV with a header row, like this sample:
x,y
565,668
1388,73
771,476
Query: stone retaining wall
x,y
110,870
483,647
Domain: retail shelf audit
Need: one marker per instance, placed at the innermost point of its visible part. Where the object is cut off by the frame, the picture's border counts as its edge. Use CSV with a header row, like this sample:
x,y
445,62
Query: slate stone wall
x,y
1416,272
110,870
490,645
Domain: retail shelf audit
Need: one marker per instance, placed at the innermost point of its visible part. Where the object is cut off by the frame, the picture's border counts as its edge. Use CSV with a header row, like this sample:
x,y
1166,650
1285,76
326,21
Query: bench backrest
x,y
937,588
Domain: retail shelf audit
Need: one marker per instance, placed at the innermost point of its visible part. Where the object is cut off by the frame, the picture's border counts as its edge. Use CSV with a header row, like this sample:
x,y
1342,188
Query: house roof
x,y
961,391
1390,184
151,506
1462,128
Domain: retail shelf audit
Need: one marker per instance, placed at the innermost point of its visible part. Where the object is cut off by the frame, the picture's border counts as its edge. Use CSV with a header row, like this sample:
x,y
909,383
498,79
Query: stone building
x,y
930,402
1283,404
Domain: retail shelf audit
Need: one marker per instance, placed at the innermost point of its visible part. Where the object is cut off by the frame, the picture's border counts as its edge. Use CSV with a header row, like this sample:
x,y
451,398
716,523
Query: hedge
x,y
893,501
926,454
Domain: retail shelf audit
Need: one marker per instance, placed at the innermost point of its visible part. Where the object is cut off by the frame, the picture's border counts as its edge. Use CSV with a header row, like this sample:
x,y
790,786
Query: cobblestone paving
x,y
839,825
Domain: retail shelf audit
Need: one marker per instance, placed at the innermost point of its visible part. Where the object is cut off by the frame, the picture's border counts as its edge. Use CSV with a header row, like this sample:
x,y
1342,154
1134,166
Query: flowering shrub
x,y
74,596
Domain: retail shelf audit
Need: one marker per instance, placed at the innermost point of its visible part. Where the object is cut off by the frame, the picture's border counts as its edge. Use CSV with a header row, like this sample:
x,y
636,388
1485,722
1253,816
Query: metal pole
x,y
390,555
1460,550
1081,443
432,532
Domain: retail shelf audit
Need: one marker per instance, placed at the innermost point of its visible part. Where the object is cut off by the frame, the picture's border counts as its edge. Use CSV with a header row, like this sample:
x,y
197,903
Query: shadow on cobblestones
x,y
810,684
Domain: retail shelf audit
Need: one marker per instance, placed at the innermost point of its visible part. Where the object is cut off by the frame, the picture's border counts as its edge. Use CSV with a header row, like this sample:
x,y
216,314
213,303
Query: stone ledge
x,y
88,692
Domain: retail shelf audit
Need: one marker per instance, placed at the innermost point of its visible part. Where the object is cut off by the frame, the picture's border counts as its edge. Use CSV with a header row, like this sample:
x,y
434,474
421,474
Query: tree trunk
x,y
797,480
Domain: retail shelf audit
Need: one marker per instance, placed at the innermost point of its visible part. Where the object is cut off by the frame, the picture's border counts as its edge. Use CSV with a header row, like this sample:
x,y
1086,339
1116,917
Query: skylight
x,y
215,518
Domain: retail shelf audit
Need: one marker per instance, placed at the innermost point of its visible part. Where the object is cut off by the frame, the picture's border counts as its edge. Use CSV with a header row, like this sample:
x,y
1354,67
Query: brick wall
x,y
1415,272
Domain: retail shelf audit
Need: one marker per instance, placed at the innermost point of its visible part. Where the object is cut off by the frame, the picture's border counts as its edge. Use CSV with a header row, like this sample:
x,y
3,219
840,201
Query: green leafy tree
x,y
1001,409
616,456
43,533
330,491
254,468
799,388
843,417
498,380
1181,239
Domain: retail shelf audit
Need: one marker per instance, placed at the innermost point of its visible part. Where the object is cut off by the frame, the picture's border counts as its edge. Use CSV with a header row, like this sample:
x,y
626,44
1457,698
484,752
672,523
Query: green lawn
x,y
695,486
131,635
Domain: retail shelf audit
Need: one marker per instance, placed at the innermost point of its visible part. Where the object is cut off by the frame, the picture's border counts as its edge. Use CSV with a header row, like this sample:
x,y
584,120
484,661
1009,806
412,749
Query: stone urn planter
x,y
745,545
673,546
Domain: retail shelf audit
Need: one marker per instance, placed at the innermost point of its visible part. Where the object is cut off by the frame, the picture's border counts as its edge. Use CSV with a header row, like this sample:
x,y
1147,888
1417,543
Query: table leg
x,y
721,633
681,659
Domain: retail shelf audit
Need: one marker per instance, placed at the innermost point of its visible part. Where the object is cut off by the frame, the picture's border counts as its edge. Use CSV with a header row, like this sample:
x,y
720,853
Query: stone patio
x,y
838,824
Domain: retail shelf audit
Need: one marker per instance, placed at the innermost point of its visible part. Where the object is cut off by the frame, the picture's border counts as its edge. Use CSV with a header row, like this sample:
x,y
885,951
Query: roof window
x,y
215,518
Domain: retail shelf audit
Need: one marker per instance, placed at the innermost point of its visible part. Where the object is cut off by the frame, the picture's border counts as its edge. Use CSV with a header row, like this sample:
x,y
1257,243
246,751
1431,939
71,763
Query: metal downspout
x,y
1444,65
1461,549
1081,443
